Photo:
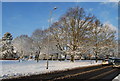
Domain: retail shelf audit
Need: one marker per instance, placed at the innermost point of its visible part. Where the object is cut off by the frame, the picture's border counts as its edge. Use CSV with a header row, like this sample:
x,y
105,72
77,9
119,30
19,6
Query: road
x,y
90,73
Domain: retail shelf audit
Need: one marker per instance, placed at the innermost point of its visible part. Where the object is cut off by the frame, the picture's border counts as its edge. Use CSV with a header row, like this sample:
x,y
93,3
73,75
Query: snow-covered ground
x,y
14,68
117,78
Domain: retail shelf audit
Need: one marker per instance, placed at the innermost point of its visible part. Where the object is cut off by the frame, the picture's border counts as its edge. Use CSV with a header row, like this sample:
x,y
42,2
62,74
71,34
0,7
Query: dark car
x,y
111,61
116,63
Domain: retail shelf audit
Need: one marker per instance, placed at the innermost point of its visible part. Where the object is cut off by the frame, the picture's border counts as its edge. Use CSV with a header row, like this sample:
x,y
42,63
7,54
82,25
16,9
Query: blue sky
x,y
25,17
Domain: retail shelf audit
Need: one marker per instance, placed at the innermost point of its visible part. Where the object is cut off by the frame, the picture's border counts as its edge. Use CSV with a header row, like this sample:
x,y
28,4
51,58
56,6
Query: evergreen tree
x,y
7,48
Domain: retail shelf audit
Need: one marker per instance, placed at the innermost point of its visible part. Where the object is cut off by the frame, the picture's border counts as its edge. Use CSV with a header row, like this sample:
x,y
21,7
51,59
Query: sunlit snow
x,y
14,68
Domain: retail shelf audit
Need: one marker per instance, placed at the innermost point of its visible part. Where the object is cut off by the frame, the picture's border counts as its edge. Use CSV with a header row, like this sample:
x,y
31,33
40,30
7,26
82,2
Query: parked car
x,y
111,60
116,63
105,62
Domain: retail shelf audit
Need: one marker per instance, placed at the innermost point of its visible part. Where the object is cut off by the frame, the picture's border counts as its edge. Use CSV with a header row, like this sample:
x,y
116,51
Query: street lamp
x,y
55,8
49,30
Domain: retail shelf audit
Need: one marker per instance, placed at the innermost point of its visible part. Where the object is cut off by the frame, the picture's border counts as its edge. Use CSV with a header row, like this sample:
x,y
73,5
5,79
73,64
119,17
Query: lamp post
x,y
49,30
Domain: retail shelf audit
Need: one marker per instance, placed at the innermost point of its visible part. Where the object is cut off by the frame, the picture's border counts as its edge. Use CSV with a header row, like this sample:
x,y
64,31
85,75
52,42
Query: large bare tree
x,y
76,29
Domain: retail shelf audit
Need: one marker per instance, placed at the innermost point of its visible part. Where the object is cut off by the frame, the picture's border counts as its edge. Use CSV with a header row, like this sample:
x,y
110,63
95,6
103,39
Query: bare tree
x,y
23,45
40,39
73,30
76,29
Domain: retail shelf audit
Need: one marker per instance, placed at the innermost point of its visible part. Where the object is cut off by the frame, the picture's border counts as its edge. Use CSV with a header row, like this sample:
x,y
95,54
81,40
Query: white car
x,y
105,62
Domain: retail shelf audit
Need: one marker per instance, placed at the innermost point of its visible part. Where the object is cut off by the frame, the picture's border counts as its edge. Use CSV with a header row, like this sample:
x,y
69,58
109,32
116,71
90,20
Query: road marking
x,y
103,74
73,75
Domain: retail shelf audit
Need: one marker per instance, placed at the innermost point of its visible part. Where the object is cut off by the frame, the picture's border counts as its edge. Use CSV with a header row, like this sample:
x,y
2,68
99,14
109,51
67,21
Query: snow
x,y
117,78
14,68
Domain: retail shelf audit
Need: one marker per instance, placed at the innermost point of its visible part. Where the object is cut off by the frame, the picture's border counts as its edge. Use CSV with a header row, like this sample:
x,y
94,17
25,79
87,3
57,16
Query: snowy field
x,y
11,69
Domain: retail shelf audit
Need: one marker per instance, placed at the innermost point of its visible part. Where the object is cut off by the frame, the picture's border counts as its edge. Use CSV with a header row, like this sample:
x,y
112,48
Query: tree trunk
x,y
57,56
96,59
37,60
65,56
72,58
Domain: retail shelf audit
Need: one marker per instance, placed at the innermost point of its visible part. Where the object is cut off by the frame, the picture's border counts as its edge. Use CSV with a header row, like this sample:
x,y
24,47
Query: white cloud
x,y
112,27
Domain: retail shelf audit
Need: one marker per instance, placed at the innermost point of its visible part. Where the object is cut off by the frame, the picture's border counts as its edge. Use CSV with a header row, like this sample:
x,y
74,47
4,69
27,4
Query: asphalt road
x,y
90,73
